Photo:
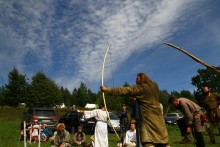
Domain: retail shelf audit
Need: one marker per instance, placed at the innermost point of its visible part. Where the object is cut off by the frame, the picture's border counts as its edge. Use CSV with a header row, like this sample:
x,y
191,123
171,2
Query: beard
x,y
206,93
61,133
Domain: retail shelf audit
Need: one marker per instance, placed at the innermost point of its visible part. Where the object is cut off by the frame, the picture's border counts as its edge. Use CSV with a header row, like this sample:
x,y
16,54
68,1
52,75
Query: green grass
x,y
174,138
10,119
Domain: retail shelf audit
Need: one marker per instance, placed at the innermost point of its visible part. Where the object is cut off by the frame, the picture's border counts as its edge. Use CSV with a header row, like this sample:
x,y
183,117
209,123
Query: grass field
x,y
10,119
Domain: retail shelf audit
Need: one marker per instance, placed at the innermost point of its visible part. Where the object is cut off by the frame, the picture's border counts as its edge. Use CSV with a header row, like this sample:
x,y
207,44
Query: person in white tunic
x,y
130,136
101,131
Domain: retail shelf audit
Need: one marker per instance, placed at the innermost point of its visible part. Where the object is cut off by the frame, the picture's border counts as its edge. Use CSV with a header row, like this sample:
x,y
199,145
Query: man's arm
x,y
126,140
217,97
67,137
56,140
187,113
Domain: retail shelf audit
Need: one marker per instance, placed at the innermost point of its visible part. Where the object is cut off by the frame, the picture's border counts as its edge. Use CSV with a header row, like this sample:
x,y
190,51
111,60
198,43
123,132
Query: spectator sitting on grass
x,y
130,137
46,130
51,139
79,138
62,137
43,137
27,129
35,130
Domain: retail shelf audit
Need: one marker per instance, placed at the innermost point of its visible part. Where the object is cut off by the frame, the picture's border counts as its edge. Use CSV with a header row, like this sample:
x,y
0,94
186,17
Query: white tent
x,y
61,106
91,106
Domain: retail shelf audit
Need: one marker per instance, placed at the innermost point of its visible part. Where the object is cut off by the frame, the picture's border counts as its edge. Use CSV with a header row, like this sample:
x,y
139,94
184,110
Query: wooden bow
x,y
216,69
103,94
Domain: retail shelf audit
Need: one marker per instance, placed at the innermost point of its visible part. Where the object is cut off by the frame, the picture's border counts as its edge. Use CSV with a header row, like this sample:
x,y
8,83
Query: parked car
x,y
43,115
171,118
73,119
115,122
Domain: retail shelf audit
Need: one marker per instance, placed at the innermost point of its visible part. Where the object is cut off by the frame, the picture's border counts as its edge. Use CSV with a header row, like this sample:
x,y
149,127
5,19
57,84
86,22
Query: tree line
x,y
44,92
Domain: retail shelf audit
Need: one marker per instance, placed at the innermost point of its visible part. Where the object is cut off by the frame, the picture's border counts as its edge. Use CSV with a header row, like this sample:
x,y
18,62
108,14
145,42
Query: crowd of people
x,y
60,138
34,132
147,126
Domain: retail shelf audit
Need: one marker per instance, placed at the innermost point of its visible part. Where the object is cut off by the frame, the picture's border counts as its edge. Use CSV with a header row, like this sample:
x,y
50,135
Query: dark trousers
x,y
182,126
197,135
199,139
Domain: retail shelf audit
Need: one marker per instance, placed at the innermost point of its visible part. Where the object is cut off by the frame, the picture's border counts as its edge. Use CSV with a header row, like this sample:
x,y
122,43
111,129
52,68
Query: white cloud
x,y
73,36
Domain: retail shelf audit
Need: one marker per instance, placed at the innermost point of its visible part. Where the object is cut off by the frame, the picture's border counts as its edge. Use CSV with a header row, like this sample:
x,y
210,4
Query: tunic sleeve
x,y
131,91
56,140
217,97
90,114
67,137
187,113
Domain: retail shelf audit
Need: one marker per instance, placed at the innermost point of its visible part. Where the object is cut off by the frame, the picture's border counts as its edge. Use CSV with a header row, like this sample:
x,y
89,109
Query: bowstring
x,y
112,70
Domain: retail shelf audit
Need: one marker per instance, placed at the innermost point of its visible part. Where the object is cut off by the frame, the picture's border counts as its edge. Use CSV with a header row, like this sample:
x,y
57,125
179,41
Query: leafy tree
x,y
187,94
175,94
2,96
74,99
16,89
43,92
112,102
92,96
126,100
164,97
83,95
66,96
205,77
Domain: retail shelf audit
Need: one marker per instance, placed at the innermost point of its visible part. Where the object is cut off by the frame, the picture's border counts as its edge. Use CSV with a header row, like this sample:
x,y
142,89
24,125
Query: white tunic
x,y
130,138
101,131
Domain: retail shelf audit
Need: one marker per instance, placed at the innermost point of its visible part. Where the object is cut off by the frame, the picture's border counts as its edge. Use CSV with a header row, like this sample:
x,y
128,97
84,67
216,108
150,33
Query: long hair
x,y
144,78
79,136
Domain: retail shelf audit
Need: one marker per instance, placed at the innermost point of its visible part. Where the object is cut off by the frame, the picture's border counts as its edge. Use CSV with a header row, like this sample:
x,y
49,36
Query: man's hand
x,y
103,88
188,130
80,111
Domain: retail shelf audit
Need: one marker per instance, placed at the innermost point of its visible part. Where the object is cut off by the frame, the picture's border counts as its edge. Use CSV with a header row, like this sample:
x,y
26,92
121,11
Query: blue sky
x,y
67,40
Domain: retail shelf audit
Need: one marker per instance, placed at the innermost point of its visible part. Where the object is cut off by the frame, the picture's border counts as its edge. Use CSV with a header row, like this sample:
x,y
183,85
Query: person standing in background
x,y
130,136
123,116
211,104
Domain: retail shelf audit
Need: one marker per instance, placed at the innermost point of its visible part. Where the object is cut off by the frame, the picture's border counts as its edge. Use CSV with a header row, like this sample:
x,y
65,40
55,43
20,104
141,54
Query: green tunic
x,y
211,104
152,124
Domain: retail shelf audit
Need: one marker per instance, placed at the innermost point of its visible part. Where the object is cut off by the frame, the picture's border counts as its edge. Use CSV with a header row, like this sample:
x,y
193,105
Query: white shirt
x,y
130,138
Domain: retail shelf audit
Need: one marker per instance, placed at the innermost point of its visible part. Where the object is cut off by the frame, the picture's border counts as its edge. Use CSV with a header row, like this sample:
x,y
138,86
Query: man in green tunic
x,y
211,103
153,130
